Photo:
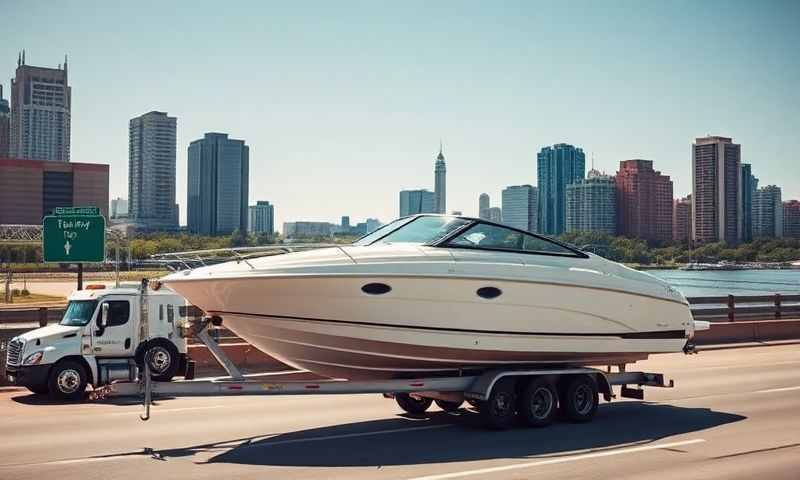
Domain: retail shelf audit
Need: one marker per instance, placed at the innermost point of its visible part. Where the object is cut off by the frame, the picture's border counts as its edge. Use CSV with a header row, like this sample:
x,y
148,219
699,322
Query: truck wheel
x,y
579,400
448,406
163,360
67,381
538,404
499,411
411,404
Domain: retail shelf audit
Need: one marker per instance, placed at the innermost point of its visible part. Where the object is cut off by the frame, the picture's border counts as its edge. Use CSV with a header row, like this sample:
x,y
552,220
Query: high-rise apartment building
x,y
5,126
716,190
791,219
644,201
40,112
440,184
413,202
682,220
151,172
749,187
262,218
307,229
483,206
558,166
592,204
519,207
767,212
218,185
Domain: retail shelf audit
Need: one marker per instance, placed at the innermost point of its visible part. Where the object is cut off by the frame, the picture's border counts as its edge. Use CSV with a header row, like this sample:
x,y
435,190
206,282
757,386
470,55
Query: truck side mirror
x,y
103,321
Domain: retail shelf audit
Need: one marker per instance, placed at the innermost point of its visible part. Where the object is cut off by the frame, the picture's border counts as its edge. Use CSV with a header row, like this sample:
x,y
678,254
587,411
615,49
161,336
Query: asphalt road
x,y
734,414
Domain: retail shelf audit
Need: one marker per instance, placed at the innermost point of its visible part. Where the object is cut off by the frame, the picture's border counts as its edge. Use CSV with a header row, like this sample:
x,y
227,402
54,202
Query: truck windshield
x,y
79,312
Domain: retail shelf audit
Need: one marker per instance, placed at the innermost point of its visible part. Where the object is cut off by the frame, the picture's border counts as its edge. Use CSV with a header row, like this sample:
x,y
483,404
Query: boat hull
x,y
427,325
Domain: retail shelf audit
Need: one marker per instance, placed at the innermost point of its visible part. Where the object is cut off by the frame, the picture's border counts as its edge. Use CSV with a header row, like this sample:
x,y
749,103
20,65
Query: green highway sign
x,y
76,211
73,238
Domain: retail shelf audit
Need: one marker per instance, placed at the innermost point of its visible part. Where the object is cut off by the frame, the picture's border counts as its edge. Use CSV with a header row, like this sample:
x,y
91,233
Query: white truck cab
x,y
104,334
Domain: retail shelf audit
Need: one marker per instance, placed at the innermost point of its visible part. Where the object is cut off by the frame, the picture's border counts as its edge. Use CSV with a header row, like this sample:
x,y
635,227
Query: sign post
x,y
74,235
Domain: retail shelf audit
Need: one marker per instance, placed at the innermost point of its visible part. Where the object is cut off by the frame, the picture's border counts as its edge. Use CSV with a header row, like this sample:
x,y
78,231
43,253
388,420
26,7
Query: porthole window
x,y
376,288
489,292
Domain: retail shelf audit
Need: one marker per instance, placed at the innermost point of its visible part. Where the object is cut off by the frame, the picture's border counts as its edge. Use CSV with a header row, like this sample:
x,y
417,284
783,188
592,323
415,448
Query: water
x,y
736,282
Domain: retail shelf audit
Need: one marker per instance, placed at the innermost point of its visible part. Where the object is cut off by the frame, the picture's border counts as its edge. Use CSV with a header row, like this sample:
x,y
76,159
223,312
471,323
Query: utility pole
x,y
80,276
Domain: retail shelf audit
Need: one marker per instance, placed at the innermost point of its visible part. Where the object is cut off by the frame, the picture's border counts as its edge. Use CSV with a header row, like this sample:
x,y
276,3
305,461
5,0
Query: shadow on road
x,y
460,438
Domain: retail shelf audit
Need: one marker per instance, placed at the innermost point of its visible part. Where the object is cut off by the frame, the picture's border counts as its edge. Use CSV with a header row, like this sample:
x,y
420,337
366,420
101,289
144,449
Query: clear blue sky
x,y
344,103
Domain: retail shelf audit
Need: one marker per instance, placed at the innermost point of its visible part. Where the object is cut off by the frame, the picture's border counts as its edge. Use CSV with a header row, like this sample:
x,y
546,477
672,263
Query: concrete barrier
x,y
755,331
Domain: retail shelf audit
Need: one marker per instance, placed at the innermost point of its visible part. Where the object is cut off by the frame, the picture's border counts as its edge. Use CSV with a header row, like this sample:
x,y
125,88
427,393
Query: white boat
x,y
432,294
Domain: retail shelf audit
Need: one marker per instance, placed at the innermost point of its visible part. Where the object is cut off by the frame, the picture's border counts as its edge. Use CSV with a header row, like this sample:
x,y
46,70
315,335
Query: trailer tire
x,y
411,404
475,404
67,381
448,406
538,403
579,398
500,410
163,359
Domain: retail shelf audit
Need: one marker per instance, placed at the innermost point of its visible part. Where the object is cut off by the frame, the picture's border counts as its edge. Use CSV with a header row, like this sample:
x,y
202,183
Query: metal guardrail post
x,y
731,308
777,305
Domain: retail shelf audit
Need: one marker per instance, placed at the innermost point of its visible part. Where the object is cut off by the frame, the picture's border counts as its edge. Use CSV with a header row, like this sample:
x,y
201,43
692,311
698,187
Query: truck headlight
x,y
34,358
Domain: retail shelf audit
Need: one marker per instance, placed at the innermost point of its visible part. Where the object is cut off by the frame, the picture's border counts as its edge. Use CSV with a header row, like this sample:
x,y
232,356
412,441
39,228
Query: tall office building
x,y
767,212
413,202
791,219
644,201
682,220
307,229
32,189
440,184
119,208
716,190
495,214
558,166
40,112
749,187
218,185
592,204
151,172
483,206
345,222
262,218
5,126
519,207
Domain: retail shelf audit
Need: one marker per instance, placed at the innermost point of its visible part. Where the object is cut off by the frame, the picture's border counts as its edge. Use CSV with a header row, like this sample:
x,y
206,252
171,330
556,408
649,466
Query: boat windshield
x,y
486,236
424,230
381,231
79,312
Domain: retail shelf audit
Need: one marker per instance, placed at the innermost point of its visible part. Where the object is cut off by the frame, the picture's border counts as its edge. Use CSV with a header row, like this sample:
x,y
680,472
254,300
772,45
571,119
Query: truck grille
x,y
14,352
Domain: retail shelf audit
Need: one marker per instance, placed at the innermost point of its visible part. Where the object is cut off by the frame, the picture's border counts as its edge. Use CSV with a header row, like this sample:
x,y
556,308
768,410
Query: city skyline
x,y
497,120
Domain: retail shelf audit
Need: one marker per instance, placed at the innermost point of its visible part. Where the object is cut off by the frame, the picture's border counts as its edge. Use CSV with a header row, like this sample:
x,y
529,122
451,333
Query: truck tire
x,y
500,410
67,381
579,399
411,404
163,359
538,403
448,406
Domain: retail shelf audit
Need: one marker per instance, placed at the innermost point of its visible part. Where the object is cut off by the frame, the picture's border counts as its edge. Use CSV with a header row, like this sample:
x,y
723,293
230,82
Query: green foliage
x,y
628,250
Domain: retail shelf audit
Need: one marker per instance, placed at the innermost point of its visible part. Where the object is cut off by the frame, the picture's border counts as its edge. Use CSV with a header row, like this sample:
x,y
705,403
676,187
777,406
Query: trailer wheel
x,y
580,399
448,406
538,404
67,381
476,404
163,359
499,411
411,404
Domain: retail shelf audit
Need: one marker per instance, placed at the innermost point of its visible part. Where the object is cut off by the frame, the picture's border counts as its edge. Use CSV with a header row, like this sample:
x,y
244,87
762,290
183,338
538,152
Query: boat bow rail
x,y
177,261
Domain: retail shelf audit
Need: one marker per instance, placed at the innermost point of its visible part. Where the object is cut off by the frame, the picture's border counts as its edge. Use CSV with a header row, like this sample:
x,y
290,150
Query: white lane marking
x,y
775,390
347,435
166,410
552,461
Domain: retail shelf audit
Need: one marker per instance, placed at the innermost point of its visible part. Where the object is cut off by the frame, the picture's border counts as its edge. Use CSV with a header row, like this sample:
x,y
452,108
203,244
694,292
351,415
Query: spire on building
x,y
440,156
65,63
23,56
19,59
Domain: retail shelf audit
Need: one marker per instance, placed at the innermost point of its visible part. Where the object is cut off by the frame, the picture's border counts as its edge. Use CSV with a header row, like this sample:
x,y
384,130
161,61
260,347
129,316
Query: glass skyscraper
x,y
558,166
519,207
413,202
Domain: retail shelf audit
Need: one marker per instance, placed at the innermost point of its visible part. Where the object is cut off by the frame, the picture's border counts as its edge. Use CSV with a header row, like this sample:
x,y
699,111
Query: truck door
x,y
116,339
